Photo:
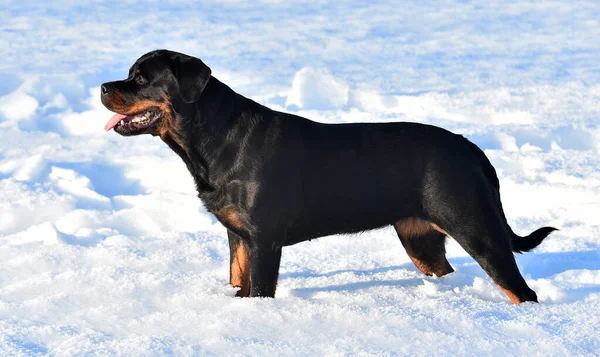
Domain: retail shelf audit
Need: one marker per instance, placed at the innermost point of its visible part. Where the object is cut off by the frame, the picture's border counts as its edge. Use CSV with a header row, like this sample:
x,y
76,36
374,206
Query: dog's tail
x,y
519,244
525,244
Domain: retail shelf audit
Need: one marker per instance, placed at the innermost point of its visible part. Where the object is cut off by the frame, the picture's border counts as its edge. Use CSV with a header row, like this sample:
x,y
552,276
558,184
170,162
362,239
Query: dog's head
x,y
144,101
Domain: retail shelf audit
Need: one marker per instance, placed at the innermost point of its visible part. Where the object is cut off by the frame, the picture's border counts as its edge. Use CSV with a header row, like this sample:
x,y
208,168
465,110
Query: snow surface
x,y
105,249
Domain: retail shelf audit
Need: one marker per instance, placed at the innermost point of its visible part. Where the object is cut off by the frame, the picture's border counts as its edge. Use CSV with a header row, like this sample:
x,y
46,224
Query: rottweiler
x,y
275,179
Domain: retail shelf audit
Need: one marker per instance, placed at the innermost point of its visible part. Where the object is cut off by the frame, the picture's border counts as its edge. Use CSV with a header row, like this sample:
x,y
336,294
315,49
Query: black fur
x,y
525,244
275,179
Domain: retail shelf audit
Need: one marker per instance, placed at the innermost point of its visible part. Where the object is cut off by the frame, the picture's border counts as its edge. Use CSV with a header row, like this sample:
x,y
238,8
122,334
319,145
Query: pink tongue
x,y
113,121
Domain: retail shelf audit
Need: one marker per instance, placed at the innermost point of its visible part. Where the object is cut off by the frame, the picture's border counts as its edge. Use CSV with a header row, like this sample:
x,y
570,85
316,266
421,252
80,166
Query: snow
x,y
317,89
106,250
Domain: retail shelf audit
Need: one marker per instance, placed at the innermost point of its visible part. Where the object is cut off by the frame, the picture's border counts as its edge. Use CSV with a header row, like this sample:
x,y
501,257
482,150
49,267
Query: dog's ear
x,y
192,76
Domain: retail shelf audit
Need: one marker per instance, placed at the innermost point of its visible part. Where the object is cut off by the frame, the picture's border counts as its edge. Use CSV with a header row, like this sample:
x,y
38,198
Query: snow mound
x,y
314,88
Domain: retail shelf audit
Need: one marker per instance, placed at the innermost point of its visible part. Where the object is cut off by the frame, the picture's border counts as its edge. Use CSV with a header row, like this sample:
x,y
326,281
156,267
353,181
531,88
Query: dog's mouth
x,y
133,124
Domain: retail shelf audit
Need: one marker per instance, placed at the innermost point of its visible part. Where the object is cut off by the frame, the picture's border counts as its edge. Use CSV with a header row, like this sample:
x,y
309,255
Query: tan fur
x,y
116,101
118,105
422,266
438,268
168,127
415,227
511,296
230,216
412,227
240,271
437,228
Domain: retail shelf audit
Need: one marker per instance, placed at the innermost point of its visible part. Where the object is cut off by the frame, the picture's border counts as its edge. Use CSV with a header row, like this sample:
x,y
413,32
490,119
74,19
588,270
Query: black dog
x,y
275,179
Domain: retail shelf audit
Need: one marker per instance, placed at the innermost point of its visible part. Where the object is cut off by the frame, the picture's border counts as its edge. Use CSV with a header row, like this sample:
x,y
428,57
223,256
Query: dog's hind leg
x,y
482,233
495,256
425,246
461,196
485,236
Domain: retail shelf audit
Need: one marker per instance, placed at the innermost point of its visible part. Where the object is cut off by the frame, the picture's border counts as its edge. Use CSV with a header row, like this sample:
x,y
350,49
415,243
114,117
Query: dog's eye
x,y
139,79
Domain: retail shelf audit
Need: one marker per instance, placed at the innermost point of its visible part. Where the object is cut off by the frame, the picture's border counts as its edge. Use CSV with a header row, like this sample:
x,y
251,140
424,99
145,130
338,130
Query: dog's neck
x,y
218,113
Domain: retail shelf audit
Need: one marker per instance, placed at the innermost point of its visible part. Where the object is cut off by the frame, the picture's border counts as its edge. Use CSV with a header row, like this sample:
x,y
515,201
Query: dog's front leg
x,y
264,269
239,272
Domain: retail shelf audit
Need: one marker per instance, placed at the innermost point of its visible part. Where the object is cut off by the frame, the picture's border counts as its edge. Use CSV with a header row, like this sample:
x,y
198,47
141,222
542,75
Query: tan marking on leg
x,y
428,268
412,227
422,266
437,228
511,296
240,271
429,262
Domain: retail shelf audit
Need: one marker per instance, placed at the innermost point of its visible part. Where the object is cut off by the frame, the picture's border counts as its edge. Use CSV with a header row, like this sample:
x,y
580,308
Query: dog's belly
x,y
353,201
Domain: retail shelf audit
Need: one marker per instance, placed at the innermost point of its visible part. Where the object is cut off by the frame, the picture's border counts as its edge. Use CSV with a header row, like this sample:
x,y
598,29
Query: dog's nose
x,y
105,89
